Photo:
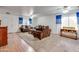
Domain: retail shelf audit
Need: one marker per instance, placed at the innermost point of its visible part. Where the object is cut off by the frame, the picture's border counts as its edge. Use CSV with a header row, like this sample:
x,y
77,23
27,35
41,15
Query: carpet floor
x,y
53,43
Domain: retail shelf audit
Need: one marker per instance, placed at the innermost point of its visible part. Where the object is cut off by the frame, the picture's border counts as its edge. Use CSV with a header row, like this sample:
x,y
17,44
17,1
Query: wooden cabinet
x,y
3,36
67,31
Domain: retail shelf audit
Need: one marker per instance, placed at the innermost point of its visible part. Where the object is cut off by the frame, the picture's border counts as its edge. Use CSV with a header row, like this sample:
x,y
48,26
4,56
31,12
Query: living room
x,y
40,28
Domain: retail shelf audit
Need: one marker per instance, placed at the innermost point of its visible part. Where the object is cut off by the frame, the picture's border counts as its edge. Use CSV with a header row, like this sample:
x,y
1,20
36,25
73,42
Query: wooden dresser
x,y
3,36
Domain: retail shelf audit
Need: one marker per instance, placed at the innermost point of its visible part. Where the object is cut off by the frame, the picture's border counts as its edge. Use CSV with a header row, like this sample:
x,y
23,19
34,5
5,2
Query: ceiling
x,y
36,10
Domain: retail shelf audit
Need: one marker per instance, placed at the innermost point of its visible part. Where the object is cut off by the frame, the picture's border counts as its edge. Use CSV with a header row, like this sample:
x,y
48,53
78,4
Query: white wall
x,y
46,20
43,21
11,21
34,21
25,20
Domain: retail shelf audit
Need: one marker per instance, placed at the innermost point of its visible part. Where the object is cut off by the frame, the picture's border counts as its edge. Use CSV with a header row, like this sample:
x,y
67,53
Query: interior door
x,y
11,24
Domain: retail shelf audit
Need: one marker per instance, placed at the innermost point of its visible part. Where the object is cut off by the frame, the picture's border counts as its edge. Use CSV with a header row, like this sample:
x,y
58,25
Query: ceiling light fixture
x,y
66,9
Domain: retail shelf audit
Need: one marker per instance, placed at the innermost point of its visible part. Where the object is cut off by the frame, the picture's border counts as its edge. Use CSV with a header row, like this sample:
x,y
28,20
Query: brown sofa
x,y
25,28
42,32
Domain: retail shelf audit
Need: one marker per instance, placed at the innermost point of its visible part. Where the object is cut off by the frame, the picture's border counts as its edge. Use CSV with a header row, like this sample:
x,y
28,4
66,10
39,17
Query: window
x,y
64,21
77,14
20,20
30,20
58,19
69,21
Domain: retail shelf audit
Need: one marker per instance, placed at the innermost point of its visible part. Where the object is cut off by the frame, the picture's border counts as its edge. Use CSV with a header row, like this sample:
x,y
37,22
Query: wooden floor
x,y
16,44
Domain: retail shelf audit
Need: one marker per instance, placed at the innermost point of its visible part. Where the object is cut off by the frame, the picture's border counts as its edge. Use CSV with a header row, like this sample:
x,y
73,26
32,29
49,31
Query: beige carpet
x,y
54,43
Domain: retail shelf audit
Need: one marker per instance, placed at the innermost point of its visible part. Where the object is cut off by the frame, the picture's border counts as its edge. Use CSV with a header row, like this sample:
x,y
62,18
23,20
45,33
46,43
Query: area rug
x,y
53,43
